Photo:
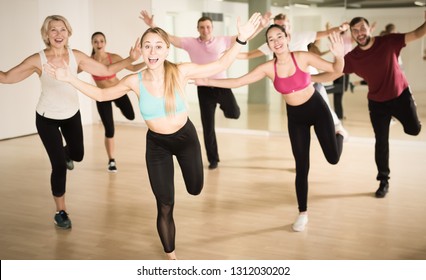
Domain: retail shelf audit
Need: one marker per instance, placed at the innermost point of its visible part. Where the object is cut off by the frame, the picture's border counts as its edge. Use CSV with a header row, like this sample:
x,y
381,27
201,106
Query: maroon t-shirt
x,y
379,67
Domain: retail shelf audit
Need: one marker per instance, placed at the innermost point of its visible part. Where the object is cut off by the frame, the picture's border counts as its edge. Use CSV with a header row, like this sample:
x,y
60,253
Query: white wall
x,y
20,38
21,21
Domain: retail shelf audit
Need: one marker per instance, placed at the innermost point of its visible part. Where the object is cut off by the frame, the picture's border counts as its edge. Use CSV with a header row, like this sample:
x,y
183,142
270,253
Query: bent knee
x,y
58,193
78,157
333,160
233,116
196,190
414,131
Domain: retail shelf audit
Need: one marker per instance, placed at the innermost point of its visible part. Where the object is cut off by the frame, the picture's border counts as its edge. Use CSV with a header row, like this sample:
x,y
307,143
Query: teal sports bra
x,y
152,107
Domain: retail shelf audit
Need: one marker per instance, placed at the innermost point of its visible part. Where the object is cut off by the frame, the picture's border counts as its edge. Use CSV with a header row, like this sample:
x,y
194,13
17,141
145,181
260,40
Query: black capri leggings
x,y
313,112
51,132
160,149
105,112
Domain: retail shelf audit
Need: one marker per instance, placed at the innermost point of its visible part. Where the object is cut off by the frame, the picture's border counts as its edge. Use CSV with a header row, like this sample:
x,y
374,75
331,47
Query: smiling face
x,y
205,28
57,34
98,43
53,28
361,33
277,39
154,49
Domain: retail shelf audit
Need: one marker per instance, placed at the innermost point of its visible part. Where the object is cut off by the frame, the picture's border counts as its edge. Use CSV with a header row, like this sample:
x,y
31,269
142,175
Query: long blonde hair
x,y
45,26
171,74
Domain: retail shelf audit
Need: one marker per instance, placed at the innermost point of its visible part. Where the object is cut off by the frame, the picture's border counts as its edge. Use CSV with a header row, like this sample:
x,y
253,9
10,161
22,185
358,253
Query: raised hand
x,y
336,46
264,22
147,18
136,51
247,30
58,73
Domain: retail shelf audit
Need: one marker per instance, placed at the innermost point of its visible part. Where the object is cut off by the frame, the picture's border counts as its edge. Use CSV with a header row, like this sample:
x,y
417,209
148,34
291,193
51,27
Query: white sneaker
x,y
300,223
342,131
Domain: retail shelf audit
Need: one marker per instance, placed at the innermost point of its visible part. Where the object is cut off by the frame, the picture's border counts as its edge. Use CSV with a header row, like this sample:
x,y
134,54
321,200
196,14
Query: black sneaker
x,y
383,189
213,165
112,167
351,86
62,220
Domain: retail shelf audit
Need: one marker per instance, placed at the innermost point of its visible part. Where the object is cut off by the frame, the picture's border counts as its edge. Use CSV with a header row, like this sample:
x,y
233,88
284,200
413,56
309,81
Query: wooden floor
x,y
245,210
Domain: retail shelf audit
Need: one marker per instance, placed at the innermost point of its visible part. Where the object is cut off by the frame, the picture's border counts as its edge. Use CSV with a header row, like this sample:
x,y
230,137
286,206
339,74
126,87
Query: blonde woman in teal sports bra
x,y
162,105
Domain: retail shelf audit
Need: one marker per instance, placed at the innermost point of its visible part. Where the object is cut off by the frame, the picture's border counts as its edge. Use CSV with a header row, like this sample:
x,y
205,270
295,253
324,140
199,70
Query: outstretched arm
x,y
253,76
329,30
22,71
131,67
149,20
94,67
325,77
193,71
416,34
136,67
98,94
250,54
312,47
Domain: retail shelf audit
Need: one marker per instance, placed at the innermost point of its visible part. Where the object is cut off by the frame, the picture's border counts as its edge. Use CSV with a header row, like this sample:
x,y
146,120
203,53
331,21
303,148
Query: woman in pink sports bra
x,y
105,108
305,106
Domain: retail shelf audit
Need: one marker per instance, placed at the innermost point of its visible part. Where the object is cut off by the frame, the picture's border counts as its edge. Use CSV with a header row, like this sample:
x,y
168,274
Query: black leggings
x,y
208,98
105,112
160,148
51,132
340,85
313,112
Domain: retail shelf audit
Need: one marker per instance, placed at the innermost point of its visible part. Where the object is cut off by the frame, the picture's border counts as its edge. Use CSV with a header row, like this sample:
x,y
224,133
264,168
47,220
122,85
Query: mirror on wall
x,y
311,15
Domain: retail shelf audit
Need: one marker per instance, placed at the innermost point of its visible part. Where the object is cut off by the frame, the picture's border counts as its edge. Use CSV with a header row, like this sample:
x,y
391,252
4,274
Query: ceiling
x,y
350,4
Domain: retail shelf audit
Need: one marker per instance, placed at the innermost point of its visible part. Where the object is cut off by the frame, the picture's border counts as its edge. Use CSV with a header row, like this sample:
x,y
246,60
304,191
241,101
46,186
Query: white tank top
x,y
58,100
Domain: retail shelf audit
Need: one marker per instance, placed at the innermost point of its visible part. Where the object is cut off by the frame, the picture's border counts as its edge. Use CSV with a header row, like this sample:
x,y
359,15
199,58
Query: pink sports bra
x,y
102,78
298,81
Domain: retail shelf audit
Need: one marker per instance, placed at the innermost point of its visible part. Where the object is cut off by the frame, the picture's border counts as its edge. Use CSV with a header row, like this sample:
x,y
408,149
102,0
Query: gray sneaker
x,y
62,220
69,163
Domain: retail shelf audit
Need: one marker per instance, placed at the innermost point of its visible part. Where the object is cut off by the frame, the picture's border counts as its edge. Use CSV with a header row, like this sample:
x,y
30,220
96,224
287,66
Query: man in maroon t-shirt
x,y
375,59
